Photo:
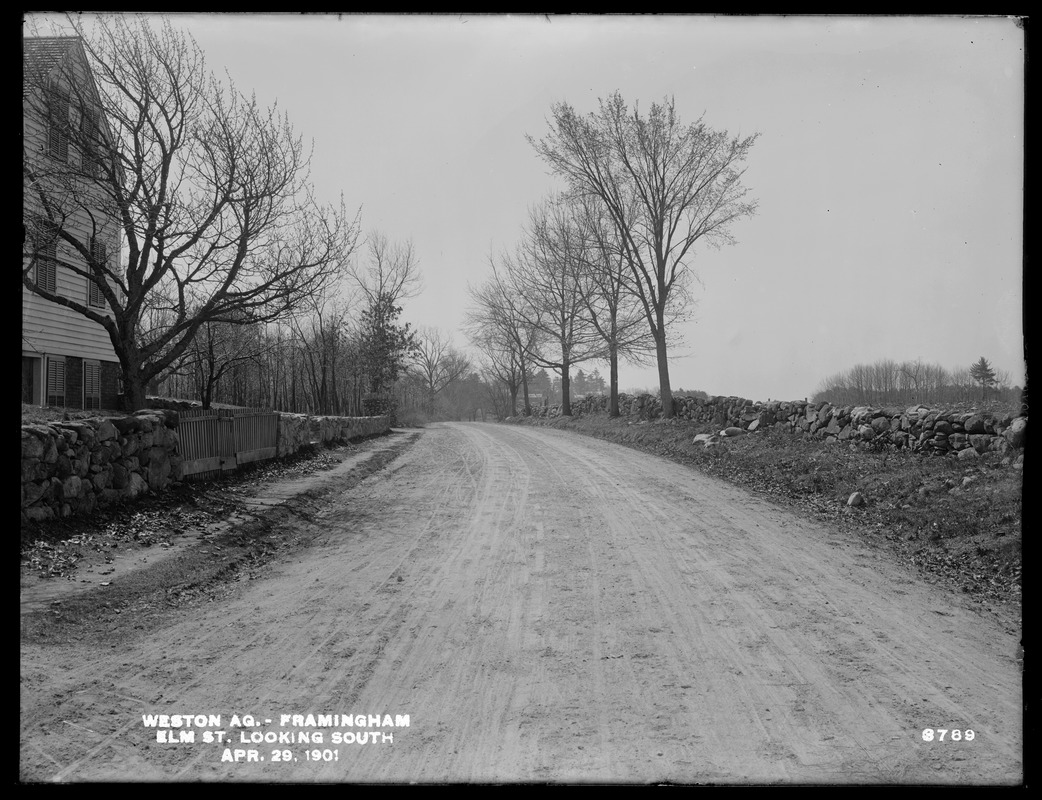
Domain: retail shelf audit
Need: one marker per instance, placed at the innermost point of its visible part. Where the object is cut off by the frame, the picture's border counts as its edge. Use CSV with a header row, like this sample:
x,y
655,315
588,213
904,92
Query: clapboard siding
x,y
47,327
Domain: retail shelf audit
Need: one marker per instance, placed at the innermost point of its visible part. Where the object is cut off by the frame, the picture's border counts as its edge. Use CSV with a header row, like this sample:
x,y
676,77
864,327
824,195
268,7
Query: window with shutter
x,y
55,382
58,125
47,258
89,156
100,254
91,384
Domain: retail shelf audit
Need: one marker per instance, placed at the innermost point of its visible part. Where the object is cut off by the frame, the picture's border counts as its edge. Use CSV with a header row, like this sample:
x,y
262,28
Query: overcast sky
x,y
889,171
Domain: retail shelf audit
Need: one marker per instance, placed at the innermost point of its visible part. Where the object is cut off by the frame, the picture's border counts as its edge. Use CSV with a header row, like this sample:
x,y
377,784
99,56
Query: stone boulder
x,y
1016,433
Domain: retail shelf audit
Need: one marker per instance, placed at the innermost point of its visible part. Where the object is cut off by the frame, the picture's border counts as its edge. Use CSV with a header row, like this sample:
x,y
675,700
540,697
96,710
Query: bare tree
x,y
548,275
502,373
468,397
666,186
438,363
211,189
500,366
217,349
613,306
911,377
392,271
497,325
321,332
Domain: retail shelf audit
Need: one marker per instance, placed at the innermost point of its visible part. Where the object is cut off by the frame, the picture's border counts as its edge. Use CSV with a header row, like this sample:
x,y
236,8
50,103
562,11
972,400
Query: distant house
x,y
67,359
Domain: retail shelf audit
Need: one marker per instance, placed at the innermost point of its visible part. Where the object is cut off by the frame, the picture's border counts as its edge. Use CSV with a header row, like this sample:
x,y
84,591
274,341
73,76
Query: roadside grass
x,y
35,415
958,523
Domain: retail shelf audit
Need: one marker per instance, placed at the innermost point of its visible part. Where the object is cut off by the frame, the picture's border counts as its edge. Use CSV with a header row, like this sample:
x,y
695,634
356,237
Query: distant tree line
x,y
548,387
326,365
888,382
343,352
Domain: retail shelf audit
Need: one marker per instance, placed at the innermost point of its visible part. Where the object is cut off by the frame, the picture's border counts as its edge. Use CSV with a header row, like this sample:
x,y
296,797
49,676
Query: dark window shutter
x,y
89,125
91,385
57,129
55,382
100,255
47,264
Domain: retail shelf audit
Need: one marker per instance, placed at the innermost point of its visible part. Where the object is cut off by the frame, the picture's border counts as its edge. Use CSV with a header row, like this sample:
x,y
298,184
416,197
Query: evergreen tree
x,y
983,374
579,383
385,348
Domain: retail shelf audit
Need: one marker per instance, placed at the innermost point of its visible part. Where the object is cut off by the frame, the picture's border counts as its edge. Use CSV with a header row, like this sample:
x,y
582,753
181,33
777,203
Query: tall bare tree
x,y
437,363
549,275
321,328
665,185
497,325
212,191
391,272
501,370
218,348
612,303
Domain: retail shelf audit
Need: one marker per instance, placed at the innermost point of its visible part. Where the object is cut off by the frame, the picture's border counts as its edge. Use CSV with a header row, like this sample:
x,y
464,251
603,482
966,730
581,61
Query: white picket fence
x,y
218,440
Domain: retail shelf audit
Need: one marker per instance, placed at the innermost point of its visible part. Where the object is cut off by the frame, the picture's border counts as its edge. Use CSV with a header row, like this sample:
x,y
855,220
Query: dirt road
x,y
545,607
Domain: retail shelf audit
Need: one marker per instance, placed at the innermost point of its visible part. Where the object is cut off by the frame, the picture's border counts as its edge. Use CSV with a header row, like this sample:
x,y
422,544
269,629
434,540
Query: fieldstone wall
x,y
74,467
301,430
965,432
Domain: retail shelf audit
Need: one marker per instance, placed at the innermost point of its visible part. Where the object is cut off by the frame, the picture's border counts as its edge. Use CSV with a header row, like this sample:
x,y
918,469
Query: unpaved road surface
x,y
545,607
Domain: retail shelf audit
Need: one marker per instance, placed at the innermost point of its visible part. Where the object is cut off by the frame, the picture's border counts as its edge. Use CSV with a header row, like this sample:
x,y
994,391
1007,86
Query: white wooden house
x,y
67,359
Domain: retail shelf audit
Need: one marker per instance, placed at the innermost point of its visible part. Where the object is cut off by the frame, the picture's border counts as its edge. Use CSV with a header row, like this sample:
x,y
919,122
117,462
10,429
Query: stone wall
x,y
301,430
919,427
74,467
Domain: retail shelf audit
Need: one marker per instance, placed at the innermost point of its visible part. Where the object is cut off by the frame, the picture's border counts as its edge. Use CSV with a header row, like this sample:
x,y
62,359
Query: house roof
x,y
48,50
41,54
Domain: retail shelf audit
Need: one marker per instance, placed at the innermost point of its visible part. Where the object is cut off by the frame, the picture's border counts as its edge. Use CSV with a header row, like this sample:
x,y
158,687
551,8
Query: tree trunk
x,y
133,391
524,388
206,395
134,382
613,381
665,391
566,391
